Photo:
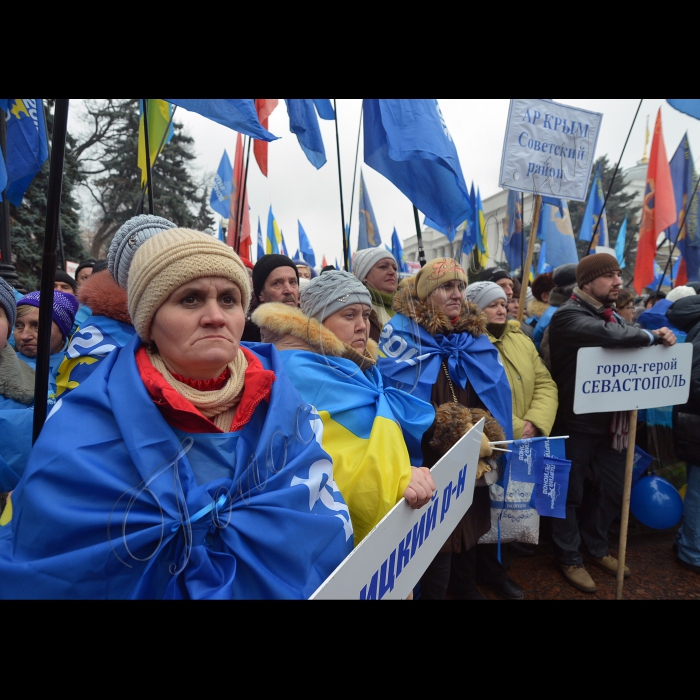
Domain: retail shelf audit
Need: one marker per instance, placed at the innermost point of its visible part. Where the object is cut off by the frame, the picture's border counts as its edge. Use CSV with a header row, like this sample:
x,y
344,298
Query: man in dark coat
x,y
597,441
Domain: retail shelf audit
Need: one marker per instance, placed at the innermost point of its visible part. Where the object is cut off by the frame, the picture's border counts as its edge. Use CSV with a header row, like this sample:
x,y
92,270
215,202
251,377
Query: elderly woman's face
x,y
384,276
199,326
351,325
496,311
448,298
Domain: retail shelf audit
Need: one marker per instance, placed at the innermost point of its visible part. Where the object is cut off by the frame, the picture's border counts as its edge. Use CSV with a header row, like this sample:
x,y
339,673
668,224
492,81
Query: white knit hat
x,y
366,259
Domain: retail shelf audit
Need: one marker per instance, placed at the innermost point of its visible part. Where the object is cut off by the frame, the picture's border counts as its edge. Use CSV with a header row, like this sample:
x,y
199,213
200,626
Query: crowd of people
x,y
219,429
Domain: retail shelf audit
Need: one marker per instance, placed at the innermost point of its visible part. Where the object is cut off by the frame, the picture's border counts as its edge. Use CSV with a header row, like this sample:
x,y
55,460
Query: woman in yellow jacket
x,y
535,402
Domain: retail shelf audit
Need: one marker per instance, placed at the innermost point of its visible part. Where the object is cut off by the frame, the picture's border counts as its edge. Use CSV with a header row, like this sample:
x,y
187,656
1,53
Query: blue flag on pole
x,y
620,244
408,142
304,123
688,241
261,247
689,107
369,231
595,211
222,189
554,228
513,231
325,109
397,252
26,148
451,234
239,115
305,246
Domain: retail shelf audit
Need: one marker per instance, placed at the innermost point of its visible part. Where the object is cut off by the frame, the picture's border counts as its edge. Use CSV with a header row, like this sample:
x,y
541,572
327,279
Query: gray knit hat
x,y
331,292
366,259
7,301
127,240
483,293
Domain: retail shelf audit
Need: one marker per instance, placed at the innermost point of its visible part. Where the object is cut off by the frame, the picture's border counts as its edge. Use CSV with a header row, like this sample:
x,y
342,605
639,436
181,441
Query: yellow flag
x,y
159,132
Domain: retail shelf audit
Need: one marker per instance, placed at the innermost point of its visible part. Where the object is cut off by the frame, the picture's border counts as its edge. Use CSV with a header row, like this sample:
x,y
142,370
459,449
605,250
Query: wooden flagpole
x,y
530,253
627,490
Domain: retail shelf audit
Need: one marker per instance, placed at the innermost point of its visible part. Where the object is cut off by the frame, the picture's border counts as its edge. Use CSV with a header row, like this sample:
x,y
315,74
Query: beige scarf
x,y
218,405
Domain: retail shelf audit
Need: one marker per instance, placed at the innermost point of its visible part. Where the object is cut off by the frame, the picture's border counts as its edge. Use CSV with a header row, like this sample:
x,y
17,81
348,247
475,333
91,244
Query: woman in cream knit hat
x,y
194,472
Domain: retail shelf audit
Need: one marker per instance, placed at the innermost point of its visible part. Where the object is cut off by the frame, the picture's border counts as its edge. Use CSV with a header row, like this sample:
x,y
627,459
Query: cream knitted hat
x,y
170,259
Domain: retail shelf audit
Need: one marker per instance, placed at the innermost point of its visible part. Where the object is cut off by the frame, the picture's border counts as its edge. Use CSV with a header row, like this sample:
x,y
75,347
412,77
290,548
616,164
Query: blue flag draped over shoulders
x,y
412,358
129,519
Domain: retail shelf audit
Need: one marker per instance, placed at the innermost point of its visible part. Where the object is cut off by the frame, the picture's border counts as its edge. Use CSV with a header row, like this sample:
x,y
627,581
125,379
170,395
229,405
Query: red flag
x,y
238,214
323,262
264,109
658,211
682,278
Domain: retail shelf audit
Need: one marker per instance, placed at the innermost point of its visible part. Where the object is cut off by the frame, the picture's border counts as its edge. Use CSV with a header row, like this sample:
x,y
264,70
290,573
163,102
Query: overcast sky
x,y
297,191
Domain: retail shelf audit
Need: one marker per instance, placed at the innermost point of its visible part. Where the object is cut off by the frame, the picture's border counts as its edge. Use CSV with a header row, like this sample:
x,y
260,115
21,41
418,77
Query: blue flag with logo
x,y
222,190
542,461
684,177
620,244
304,123
26,148
369,231
239,115
305,248
261,247
408,142
594,212
554,228
513,228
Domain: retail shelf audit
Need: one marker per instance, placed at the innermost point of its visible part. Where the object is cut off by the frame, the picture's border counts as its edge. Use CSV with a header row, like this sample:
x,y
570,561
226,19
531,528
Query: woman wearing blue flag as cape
x,y
197,471
435,348
372,432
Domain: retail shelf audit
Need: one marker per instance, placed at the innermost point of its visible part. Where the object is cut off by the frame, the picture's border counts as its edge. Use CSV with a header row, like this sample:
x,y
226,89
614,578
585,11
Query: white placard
x,y
623,380
388,563
549,149
71,267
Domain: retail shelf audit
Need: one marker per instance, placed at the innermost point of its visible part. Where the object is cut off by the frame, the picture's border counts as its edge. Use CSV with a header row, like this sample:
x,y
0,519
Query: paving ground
x,y
650,556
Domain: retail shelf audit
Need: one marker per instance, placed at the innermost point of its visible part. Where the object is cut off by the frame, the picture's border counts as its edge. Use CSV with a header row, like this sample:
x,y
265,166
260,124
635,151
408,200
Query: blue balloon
x,y
656,503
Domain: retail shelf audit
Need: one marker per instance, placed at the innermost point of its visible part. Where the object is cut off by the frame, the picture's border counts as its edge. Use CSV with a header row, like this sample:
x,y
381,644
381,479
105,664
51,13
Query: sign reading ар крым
x,y
549,148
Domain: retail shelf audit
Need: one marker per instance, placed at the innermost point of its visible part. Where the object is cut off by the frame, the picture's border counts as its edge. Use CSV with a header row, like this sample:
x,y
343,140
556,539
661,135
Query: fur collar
x,y
105,297
536,308
287,328
471,319
16,377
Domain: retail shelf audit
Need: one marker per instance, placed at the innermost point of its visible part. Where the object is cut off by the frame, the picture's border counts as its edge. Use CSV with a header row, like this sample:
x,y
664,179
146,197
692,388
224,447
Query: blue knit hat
x,y
63,309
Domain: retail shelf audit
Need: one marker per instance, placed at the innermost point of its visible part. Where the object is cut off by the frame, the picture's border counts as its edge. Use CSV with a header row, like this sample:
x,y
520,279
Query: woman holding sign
x,y
435,348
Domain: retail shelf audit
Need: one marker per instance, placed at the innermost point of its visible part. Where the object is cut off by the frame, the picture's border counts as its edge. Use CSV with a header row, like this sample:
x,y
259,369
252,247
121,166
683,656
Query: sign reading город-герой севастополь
x,y
622,380
549,148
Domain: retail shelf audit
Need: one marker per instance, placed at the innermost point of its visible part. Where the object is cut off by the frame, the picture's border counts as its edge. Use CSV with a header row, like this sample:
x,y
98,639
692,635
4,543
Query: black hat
x,y
266,265
62,276
90,262
493,274
564,275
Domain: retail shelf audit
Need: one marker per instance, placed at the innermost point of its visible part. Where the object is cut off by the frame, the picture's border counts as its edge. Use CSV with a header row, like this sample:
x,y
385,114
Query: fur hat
x,y
593,266
483,293
331,292
366,259
265,266
7,302
63,309
127,240
436,272
172,258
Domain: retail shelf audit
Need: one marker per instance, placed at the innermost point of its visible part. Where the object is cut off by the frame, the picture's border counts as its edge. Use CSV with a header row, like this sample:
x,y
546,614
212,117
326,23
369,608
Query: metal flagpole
x,y
149,180
346,263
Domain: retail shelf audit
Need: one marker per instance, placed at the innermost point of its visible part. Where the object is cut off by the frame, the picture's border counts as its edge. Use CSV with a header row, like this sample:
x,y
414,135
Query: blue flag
x,y
26,148
513,230
543,462
222,189
689,107
408,142
451,234
221,234
261,247
369,231
554,228
305,248
642,462
304,123
542,265
397,251
620,244
239,115
325,109
684,177
595,211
